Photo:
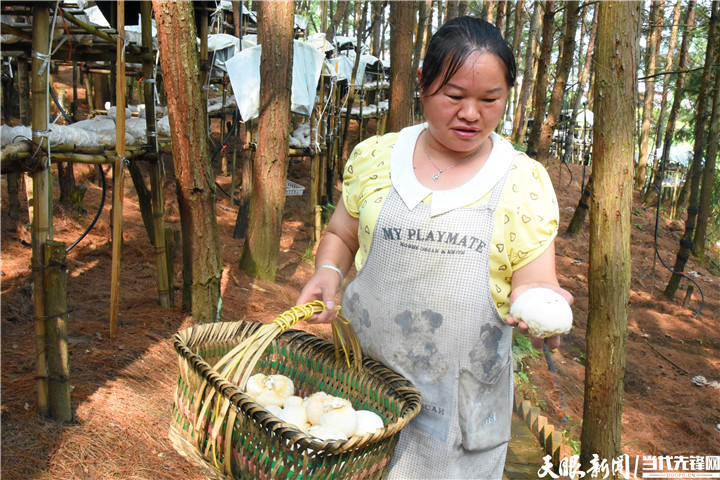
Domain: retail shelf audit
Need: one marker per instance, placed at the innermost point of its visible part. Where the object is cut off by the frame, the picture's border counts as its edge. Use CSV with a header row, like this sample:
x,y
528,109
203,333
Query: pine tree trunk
x,y
342,7
191,154
617,59
419,45
520,117
656,189
578,219
708,174
402,80
695,172
561,76
651,54
670,65
518,26
376,13
452,9
541,79
500,17
582,81
267,203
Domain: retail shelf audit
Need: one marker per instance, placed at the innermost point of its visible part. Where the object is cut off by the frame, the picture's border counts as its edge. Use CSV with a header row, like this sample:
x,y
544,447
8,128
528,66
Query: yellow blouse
x,y
526,218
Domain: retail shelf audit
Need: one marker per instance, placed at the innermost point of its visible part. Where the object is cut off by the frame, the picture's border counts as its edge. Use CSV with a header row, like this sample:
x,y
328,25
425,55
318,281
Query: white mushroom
x,y
255,385
274,409
326,433
295,415
269,390
340,414
545,312
314,406
293,401
368,422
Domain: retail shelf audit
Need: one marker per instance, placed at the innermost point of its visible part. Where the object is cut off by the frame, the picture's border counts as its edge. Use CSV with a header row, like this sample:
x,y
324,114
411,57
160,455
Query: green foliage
x,y
327,210
522,348
308,256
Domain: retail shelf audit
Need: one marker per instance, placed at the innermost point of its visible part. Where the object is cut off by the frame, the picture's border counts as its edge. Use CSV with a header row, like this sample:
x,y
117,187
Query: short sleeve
x,y
367,169
531,213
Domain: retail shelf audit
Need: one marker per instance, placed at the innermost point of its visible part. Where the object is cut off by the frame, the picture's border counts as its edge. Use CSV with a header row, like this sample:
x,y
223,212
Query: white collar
x,y
413,192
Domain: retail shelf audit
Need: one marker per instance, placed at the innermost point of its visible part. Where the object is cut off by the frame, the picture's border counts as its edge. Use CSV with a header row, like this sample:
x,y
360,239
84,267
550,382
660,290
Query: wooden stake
x,y
56,330
688,295
41,212
119,172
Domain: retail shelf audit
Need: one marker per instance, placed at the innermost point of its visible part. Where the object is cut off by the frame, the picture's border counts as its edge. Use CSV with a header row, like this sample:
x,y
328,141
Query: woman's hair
x,y
454,42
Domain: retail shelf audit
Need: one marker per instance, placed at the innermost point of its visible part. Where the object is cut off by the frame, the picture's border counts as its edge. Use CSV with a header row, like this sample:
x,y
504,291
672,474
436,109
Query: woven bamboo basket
x,y
218,426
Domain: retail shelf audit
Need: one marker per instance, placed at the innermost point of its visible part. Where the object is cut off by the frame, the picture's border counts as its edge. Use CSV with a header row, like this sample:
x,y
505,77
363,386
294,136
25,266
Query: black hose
x,y
97,215
57,102
657,253
223,144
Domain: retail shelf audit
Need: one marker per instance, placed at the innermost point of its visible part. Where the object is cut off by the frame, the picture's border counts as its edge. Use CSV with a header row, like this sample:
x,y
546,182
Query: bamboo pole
x,y
119,172
314,174
56,330
106,36
156,184
41,212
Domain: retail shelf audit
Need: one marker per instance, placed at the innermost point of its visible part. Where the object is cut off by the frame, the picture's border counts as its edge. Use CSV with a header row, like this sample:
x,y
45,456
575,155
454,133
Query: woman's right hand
x,y
335,254
323,285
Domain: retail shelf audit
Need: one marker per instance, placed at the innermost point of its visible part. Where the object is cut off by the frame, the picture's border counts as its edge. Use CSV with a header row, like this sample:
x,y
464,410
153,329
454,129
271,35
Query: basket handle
x,y
298,313
344,336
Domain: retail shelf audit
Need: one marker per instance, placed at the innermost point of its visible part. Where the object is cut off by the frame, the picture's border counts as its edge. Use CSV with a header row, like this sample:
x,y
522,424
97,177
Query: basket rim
x,y
401,385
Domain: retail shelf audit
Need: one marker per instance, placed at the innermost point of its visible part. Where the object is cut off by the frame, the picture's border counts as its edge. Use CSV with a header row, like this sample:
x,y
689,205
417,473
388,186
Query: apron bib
x,y
421,304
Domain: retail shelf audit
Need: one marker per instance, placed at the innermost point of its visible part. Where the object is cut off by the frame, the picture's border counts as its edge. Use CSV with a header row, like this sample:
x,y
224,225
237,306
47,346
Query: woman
x,y
446,223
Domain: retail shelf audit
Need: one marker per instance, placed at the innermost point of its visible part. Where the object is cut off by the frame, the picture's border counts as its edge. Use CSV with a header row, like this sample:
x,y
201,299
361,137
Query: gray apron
x,y
421,304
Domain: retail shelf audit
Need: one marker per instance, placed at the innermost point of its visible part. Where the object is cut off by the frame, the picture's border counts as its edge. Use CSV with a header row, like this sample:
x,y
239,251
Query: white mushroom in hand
x,y
545,312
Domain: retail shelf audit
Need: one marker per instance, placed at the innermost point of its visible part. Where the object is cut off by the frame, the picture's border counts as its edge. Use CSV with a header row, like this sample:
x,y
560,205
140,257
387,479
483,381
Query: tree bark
x,y
342,6
402,79
578,219
452,9
191,154
419,45
561,76
617,59
653,49
582,81
693,176
360,39
520,117
376,13
708,174
655,190
541,79
500,17
262,244
669,66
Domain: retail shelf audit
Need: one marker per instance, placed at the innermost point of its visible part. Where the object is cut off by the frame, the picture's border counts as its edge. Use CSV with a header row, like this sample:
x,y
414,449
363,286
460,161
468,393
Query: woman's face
x,y
463,113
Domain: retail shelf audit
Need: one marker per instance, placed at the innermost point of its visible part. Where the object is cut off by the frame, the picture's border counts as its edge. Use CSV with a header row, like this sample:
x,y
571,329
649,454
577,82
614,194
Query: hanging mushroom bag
x,y
220,424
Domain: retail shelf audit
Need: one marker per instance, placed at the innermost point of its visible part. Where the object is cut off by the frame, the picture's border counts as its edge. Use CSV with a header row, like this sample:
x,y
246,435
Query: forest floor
x,y
123,387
